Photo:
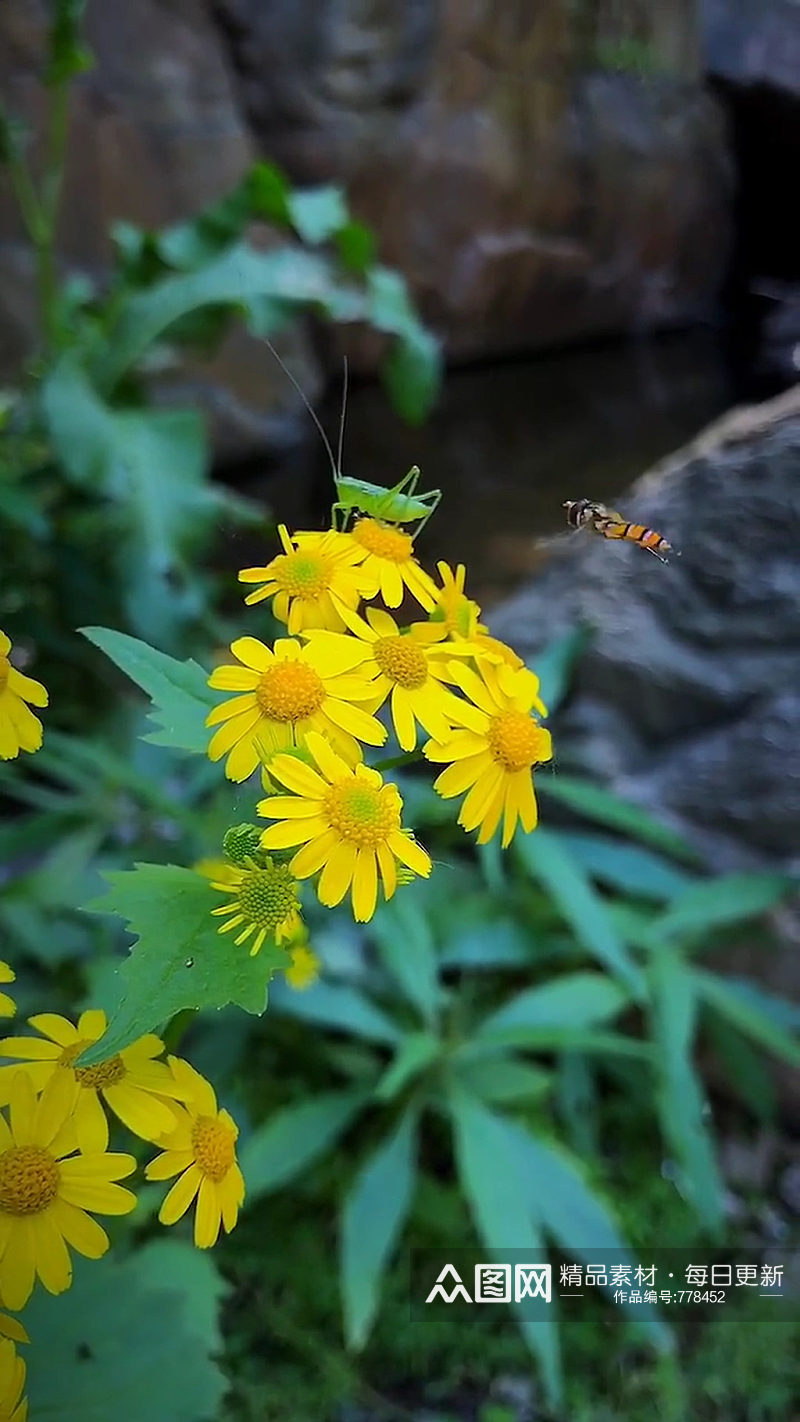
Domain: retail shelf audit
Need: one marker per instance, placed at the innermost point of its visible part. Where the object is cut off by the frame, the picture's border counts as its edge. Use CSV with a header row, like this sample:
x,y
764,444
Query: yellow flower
x,y
12,1328
46,1191
386,554
266,901
305,965
13,1406
406,667
132,1084
7,1004
286,695
495,764
19,728
202,1152
348,823
313,577
460,616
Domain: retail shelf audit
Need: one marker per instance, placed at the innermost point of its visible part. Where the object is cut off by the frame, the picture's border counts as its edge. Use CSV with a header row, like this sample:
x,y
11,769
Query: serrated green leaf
x,y
681,1103
294,1138
727,998
596,803
487,1159
716,902
546,856
373,1215
179,691
576,1000
180,960
109,1349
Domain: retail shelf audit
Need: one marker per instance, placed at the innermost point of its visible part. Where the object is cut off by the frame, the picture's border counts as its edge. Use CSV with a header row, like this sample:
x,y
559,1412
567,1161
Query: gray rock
x,y
753,44
688,698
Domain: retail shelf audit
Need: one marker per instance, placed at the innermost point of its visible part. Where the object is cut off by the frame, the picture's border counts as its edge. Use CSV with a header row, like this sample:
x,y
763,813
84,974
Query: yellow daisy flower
x,y
286,694
19,728
495,764
310,580
7,1004
46,1191
461,615
13,1406
386,554
266,901
407,667
135,1087
348,822
304,965
202,1152
12,1328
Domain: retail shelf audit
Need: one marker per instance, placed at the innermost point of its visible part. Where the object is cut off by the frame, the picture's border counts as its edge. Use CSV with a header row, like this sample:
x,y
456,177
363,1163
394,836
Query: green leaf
x,y
576,1000
355,243
627,867
67,55
716,902
294,1138
412,374
477,940
317,214
110,1348
417,1050
745,1068
556,1039
555,663
546,856
286,274
179,691
403,936
373,1215
340,1007
502,1078
680,1098
567,1207
180,959
595,803
726,997
487,1158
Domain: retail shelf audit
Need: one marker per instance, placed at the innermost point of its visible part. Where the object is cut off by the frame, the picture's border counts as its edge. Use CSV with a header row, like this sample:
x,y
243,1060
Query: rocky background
x,y
543,174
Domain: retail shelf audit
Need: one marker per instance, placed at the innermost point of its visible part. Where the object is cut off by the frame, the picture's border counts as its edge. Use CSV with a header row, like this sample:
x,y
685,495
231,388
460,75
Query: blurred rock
x,y
688,698
754,44
156,133
542,173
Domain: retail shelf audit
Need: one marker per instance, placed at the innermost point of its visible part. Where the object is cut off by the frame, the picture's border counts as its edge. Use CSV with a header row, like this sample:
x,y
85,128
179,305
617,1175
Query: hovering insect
x,y
400,504
584,513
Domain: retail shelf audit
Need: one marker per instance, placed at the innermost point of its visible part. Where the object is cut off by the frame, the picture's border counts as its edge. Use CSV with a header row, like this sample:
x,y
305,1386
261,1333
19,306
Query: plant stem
x,y
392,761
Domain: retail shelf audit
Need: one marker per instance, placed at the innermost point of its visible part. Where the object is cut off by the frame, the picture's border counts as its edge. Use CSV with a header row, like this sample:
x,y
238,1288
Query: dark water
x,y
507,444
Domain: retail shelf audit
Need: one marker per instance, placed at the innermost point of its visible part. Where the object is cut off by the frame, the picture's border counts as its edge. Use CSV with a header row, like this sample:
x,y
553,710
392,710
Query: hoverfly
x,y
585,513
399,504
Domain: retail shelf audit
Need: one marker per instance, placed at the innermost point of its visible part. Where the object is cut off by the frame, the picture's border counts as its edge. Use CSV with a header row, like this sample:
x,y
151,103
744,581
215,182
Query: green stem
x,y
392,761
52,182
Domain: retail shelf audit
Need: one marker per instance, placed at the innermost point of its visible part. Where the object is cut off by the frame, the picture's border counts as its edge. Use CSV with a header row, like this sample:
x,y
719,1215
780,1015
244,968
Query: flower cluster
x,y
57,1172
310,708
19,728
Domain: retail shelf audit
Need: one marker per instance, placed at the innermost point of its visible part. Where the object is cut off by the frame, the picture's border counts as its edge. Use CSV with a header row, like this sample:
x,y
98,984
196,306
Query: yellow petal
x,y
179,1198
208,1216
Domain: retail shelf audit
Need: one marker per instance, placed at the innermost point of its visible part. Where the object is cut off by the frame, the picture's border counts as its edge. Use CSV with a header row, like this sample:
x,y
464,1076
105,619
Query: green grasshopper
x,y
400,504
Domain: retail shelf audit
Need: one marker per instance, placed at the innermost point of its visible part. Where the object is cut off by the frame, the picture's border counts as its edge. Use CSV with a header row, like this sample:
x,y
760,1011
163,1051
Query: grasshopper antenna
x,y
284,367
342,419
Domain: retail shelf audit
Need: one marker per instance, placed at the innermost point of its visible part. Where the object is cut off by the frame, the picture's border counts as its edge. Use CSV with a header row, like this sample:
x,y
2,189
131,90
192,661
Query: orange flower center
x,y
384,541
214,1147
305,575
29,1180
290,691
402,661
516,741
266,897
5,668
363,814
